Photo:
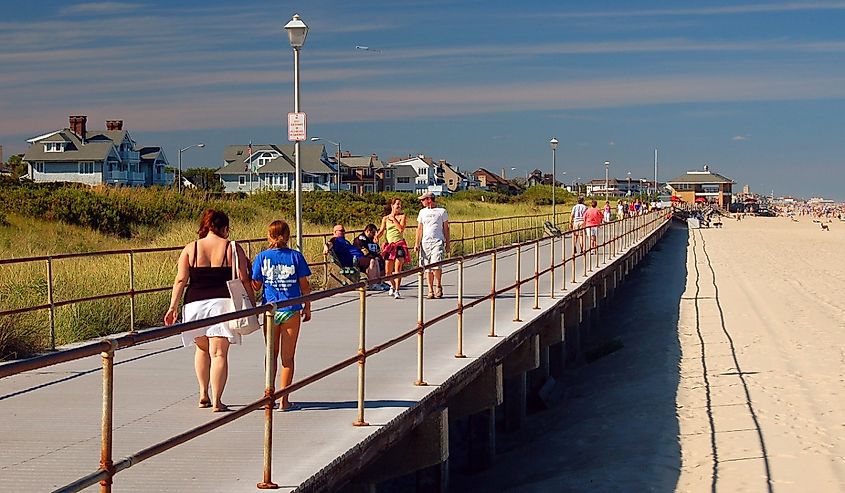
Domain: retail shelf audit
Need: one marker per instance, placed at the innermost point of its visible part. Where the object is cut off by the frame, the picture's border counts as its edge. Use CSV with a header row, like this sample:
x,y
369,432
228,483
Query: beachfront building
x,y
702,186
429,175
272,167
490,181
95,157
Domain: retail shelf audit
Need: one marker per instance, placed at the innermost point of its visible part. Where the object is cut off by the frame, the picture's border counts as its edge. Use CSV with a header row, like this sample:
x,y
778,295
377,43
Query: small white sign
x,y
297,128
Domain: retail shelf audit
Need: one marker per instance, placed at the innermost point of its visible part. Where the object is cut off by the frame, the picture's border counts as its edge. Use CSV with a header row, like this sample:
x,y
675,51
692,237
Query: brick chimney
x,y
114,124
77,125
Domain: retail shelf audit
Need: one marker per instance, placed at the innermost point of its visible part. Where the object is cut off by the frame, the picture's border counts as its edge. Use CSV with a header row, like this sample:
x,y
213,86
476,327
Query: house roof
x,y
700,177
491,177
75,150
311,160
356,161
453,169
405,171
149,153
610,181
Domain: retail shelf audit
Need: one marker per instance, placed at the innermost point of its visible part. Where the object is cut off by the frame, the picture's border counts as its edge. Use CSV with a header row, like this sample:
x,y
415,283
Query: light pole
x,y
606,181
180,162
297,31
554,143
337,146
629,184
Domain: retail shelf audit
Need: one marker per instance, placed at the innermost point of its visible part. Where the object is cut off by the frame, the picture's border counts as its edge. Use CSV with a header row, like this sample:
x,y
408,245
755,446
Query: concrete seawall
x,y
458,422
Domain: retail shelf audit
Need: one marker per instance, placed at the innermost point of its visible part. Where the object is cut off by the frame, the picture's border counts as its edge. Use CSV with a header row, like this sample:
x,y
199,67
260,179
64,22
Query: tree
x,y
204,179
17,166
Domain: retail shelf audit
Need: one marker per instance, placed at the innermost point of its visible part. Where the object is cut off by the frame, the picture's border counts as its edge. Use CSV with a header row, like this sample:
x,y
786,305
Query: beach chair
x,y
348,275
551,229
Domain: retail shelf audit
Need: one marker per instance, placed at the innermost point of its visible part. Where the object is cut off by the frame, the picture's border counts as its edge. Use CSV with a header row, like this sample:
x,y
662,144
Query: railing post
x,y
563,262
463,240
536,274
269,391
50,301
131,291
474,237
460,314
362,353
106,463
518,283
574,272
552,268
325,266
492,294
420,329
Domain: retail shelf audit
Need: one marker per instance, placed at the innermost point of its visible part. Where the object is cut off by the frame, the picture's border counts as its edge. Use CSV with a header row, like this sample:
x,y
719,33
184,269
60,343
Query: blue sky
x,y
754,89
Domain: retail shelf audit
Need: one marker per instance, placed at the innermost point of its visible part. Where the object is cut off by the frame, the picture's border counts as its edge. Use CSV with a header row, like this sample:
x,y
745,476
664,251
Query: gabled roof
x,y
700,177
149,153
453,169
356,161
75,150
311,160
491,177
610,181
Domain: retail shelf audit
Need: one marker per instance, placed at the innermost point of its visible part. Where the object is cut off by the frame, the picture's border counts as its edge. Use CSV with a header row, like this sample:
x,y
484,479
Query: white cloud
x,y
739,138
101,8
611,143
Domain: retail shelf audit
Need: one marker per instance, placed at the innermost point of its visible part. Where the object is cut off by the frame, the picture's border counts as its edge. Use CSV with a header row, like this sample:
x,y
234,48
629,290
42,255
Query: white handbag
x,y
240,301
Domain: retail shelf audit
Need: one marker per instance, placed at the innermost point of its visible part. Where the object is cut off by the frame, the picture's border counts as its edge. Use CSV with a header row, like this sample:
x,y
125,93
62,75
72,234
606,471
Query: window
x,y
368,188
242,180
388,188
403,179
39,166
86,167
388,173
54,147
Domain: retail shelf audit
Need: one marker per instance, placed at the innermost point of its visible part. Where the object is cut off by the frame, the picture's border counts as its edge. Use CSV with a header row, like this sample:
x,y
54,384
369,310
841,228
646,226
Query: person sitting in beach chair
x,y
349,258
551,229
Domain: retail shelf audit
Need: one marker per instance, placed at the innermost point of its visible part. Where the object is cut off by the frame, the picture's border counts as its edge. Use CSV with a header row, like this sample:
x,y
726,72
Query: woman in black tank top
x,y
204,268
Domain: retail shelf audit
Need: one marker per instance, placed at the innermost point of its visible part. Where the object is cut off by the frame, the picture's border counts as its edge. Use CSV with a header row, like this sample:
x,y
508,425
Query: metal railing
x,y
617,237
474,235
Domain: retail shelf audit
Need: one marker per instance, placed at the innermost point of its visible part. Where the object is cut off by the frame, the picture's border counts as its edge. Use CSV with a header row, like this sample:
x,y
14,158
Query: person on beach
x,y
432,242
203,269
395,250
576,224
372,253
592,220
282,273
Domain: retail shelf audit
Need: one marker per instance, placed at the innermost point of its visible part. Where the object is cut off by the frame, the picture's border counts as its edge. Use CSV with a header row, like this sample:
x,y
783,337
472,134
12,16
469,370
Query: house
x,y
453,178
611,188
99,157
702,186
537,177
493,182
272,167
385,175
366,174
406,178
429,174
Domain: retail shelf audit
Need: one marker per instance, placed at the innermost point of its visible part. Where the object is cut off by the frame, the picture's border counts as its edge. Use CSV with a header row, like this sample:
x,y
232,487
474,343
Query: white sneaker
x,y
390,291
396,295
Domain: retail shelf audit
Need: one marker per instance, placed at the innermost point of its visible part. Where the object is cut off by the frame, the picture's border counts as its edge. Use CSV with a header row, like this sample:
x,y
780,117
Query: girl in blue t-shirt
x,y
283,275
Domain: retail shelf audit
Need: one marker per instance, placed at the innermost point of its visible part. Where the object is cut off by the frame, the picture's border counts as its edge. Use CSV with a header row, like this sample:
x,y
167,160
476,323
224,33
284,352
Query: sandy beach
x,y
730,378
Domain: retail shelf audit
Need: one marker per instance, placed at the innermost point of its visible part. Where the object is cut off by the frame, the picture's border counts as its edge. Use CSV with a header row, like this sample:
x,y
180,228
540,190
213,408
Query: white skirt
x,y
198,310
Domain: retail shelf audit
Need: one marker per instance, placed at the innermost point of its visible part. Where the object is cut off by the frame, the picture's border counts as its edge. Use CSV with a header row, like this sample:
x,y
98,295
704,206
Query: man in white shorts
x,y
432,241
576,221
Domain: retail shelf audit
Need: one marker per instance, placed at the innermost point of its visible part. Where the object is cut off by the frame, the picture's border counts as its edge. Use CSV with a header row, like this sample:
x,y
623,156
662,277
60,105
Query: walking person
x,y
432,241
576,224
592,220
607,211
203,269
283,275
395,250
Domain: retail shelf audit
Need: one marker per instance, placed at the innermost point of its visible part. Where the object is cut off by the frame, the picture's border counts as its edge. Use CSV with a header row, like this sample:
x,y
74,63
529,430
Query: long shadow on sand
x,y
615,427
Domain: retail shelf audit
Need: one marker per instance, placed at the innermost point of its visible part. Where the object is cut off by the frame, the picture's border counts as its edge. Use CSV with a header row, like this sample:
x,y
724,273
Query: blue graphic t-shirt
x,y
280,269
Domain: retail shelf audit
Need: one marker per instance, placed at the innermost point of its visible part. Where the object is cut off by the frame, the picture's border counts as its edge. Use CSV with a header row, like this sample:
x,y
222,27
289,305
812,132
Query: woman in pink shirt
x,y
592,219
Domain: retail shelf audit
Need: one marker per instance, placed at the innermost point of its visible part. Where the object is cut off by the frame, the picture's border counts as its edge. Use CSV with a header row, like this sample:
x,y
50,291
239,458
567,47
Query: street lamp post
x,y
606,181
629,184
180,162
337,146
554,143
297,31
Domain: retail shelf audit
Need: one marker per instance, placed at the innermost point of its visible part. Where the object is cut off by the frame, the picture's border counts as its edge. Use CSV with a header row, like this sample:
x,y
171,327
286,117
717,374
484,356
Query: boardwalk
x,y
51,425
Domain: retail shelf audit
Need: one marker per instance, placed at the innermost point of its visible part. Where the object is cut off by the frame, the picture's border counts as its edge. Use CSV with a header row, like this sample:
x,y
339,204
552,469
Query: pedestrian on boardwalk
x,y
576,224
432,242
620,209
592,220
283,275
203,269
607,211
395,250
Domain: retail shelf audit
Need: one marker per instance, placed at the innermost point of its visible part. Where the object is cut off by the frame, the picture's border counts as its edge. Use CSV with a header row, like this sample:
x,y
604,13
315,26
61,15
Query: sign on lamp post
x,y
297,127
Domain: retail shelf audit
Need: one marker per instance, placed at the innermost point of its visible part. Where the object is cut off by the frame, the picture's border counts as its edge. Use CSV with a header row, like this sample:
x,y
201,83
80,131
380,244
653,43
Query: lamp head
x,y
314,139
297,31
200,145
607,163
554,143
